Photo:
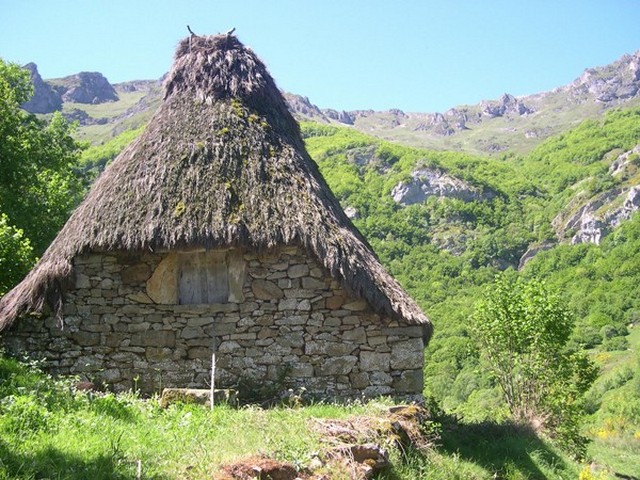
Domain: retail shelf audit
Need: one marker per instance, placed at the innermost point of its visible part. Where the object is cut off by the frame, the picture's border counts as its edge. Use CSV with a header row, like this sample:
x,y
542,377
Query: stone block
x,y
237,269
332,322
407,354
410,381
356,335
356,305
162,286
293,340
258,272
304,305
414,331
202,353
292,320
288,304
82,281
86,339
373,391
219,329
110,376
380,378
337,365
299,293
297,271
352,320
191,332
310,283
374,361
374,341
140,297
155,338
115,339
199,321
97,328
243,336
301,370
316,272
340,348
138,327
277,276
136,274
156,354
359,380
228,346
135,310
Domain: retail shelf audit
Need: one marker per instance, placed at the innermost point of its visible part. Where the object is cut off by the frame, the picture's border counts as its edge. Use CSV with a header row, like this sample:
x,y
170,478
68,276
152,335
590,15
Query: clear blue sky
x,y
414,55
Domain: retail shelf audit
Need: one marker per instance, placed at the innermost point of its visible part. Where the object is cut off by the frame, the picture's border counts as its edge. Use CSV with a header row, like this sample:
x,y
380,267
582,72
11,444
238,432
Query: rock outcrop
x,y
533,250
591,222
427,182
87,87
625,160
610,84
507,105
45,99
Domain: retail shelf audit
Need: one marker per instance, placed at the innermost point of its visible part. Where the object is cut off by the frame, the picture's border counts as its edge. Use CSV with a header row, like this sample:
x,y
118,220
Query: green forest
x,y
452,254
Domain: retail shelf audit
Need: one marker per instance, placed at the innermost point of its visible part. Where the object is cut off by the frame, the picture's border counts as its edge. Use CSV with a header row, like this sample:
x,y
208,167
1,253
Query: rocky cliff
x,y
428,182
588,220
86,87
45,99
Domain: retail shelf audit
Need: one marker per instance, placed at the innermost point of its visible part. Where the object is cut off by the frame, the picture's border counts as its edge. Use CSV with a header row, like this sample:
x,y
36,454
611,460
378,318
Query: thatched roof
x,y
221,163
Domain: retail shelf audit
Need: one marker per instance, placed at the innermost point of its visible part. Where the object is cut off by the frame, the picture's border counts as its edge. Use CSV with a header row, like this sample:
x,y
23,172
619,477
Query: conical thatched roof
x,y
221,163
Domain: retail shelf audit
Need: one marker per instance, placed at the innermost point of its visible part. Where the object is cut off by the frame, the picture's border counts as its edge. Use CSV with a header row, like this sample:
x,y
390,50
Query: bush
x,y
522,330
615,344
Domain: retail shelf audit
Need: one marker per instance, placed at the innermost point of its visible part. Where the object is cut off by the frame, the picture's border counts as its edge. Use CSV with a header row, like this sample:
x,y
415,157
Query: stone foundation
x,y
285,314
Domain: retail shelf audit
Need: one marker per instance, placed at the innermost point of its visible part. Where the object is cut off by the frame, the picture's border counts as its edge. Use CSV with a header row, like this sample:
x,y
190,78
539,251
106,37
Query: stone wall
x,y
292,316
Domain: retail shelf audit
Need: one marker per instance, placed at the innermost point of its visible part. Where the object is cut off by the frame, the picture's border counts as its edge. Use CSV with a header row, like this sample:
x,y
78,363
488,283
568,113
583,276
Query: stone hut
x,y
214,231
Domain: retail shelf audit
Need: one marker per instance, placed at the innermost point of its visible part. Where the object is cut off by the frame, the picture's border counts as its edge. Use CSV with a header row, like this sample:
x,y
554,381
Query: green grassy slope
x,y
50,430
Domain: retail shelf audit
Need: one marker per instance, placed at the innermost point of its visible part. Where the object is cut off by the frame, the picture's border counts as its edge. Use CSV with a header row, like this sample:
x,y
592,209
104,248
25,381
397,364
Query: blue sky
x,y
346,54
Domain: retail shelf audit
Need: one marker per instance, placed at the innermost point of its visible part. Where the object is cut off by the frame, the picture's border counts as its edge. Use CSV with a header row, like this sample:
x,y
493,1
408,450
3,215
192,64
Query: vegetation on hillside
x,y
38,187
444,251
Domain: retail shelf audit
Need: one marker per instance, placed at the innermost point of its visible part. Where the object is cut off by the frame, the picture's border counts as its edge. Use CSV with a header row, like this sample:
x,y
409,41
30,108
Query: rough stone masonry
x,y
124,328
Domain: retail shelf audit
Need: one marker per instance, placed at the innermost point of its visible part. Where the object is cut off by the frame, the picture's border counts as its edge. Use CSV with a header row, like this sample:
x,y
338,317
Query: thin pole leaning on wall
x,y
213,368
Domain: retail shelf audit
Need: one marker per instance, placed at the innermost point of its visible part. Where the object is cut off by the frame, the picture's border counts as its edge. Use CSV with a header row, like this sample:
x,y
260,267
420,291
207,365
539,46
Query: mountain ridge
x,y
490,127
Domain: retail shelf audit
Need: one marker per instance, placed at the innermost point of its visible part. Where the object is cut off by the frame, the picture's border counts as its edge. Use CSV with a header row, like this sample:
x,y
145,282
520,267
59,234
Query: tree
x,y
522,329
16,255
38,187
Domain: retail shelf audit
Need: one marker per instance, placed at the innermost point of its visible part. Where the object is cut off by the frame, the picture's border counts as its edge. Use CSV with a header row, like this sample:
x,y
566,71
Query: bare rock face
x,y
507,105
591,230
623,161
598,217
433,182
610,84
532,251
88,87
630,205
45,99
339,116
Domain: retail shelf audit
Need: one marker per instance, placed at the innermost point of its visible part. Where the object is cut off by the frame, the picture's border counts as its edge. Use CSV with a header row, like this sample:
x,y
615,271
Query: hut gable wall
x,y
124,327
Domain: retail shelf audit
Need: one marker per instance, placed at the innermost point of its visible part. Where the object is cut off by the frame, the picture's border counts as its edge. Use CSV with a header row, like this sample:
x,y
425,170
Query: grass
x,y
107,109
615,425
50,430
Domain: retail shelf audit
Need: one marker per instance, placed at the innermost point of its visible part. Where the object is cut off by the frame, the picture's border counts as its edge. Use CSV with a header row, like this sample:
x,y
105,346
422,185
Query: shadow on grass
x,y
52,463
505,450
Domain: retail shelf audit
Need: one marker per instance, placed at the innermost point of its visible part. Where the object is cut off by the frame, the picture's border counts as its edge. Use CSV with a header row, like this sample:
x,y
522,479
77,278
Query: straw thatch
x,y
221,163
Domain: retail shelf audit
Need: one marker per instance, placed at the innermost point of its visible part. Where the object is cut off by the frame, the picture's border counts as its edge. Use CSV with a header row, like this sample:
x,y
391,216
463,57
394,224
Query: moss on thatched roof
x,y
221,163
